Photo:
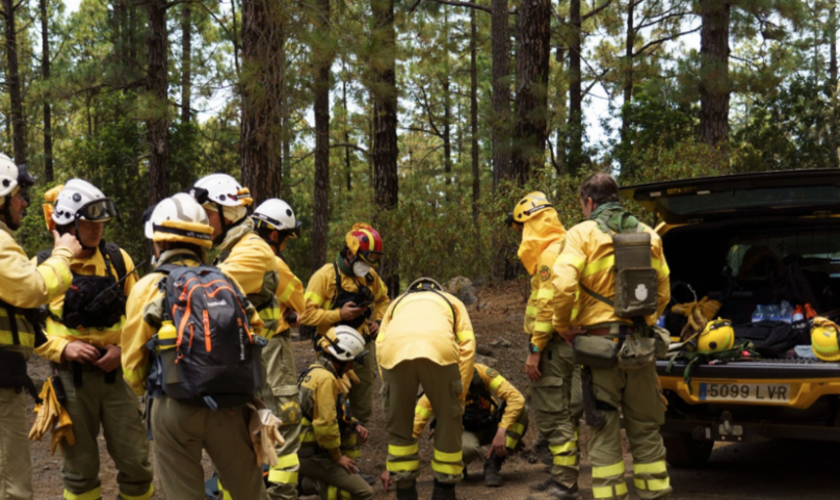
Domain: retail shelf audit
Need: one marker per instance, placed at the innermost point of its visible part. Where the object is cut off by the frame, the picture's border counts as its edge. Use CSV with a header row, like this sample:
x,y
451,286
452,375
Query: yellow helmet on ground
x,y
718,335
824,339
528,206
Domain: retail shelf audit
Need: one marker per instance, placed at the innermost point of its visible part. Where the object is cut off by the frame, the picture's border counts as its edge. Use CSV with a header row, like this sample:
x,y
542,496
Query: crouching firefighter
x,y
327,420
494,414
275,222
617,264
24,288
426,340
554,377
191,339
84,331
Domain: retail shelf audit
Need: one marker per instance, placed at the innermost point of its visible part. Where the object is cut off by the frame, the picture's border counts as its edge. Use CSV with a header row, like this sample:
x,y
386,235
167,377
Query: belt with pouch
x,y
77,369
617,329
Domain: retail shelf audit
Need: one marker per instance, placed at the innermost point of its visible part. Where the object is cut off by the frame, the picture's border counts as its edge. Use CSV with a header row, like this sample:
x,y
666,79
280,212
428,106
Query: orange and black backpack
x,y
204,353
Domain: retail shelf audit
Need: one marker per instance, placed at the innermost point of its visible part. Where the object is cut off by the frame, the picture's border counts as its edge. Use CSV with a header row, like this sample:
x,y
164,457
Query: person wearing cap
x,y
426,340
181,233
275,223
554,377
84,349
25,286
350,292
324,469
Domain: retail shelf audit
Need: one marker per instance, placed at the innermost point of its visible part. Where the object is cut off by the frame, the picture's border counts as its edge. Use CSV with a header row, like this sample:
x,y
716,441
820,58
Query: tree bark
x,y
13,82
500,124
447,131
322,57
714,72
385,148
45,74
575,159
630,42
157,135
561,139
476,180
531,129
261,84
186,63
347,164
832,70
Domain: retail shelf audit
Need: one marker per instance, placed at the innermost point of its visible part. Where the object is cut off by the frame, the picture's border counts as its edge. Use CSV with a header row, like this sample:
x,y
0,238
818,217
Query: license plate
x,y
768,393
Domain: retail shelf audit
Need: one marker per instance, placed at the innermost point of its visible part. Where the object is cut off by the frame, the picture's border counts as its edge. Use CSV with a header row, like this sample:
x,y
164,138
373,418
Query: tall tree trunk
x,y
575,160
531,129
186,63
261,82
322,57
347,164
629,43
45,74
447,131
561,139
384,90
286,132
157,135
832,69
500,124
132,37
476,180
714,72
13,82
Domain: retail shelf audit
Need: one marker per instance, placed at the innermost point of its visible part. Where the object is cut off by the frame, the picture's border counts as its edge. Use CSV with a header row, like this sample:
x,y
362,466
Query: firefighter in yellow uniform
x,y
586,263
350,292
324,469
84,347
181,234
275,222
24,287
494,415
426,340
555,379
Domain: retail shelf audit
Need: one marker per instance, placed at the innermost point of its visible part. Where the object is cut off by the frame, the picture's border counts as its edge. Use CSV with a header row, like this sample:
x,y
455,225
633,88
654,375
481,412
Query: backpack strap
x,y
115,255
596,295
43,255
451,307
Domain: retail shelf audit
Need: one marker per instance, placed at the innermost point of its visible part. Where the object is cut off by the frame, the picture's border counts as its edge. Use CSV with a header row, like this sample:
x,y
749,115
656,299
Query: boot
x,y
542,485
443,491
492,478
409,493
560,492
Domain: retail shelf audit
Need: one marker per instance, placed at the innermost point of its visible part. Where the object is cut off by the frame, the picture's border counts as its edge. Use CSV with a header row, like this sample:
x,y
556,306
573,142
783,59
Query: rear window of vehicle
x,y
704,202
756,256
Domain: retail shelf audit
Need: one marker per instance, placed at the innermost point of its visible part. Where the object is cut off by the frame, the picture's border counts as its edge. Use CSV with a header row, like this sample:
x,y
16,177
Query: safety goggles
x,y
263,219
98,211
510,222
371,257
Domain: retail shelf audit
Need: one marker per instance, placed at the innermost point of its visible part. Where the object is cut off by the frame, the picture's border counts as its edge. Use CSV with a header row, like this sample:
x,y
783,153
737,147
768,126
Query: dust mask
x,y
361,268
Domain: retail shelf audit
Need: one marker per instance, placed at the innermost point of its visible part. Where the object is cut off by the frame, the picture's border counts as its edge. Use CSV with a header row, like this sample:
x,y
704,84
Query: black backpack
x,y
770,338
204,353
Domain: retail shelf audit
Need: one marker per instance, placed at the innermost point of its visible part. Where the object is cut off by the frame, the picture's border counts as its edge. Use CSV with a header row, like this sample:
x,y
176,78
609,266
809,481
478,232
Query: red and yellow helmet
x,y
364,242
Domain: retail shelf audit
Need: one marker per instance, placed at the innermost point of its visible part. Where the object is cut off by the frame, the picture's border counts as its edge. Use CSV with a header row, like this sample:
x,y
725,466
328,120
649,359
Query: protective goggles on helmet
x,y
511,222
370,256
98,210
263,220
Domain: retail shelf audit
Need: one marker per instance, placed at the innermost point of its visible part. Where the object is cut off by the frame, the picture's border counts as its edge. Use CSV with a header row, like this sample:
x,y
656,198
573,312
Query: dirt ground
x,y
771,470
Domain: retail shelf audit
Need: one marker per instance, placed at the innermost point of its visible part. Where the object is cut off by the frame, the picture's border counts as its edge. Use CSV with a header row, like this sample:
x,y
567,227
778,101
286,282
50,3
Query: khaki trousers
x,y
115,409
637,394
557,403
442,385
15,462
332,482
181,431
280,394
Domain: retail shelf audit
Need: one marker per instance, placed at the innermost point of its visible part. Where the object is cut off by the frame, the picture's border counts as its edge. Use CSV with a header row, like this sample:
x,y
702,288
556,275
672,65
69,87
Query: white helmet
x,y
179,219
221,189
276,214
8,175
348,344
82,200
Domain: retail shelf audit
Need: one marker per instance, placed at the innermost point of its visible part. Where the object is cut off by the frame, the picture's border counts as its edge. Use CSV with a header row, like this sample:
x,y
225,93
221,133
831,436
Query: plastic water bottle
x,y
774,313
661,321
758,314
786,312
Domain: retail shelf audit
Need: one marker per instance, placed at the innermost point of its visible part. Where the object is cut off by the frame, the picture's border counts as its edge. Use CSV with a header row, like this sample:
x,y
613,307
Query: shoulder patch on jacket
x,y
545,273
492,373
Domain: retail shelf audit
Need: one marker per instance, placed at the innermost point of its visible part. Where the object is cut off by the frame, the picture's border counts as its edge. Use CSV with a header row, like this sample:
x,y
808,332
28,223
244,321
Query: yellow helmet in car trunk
x,y
824,343
717,335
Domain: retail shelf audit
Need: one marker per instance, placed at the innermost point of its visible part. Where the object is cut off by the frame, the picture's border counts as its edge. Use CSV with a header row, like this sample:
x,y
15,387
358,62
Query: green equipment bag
x,y
636,281
596,352
636,352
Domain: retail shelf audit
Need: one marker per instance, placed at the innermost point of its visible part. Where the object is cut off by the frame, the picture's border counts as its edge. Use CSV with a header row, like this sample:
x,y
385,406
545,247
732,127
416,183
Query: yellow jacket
x,y
588,258
420,325
289,292
250,261
58,335
143,317
495,384
321,293
24,285
319,392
